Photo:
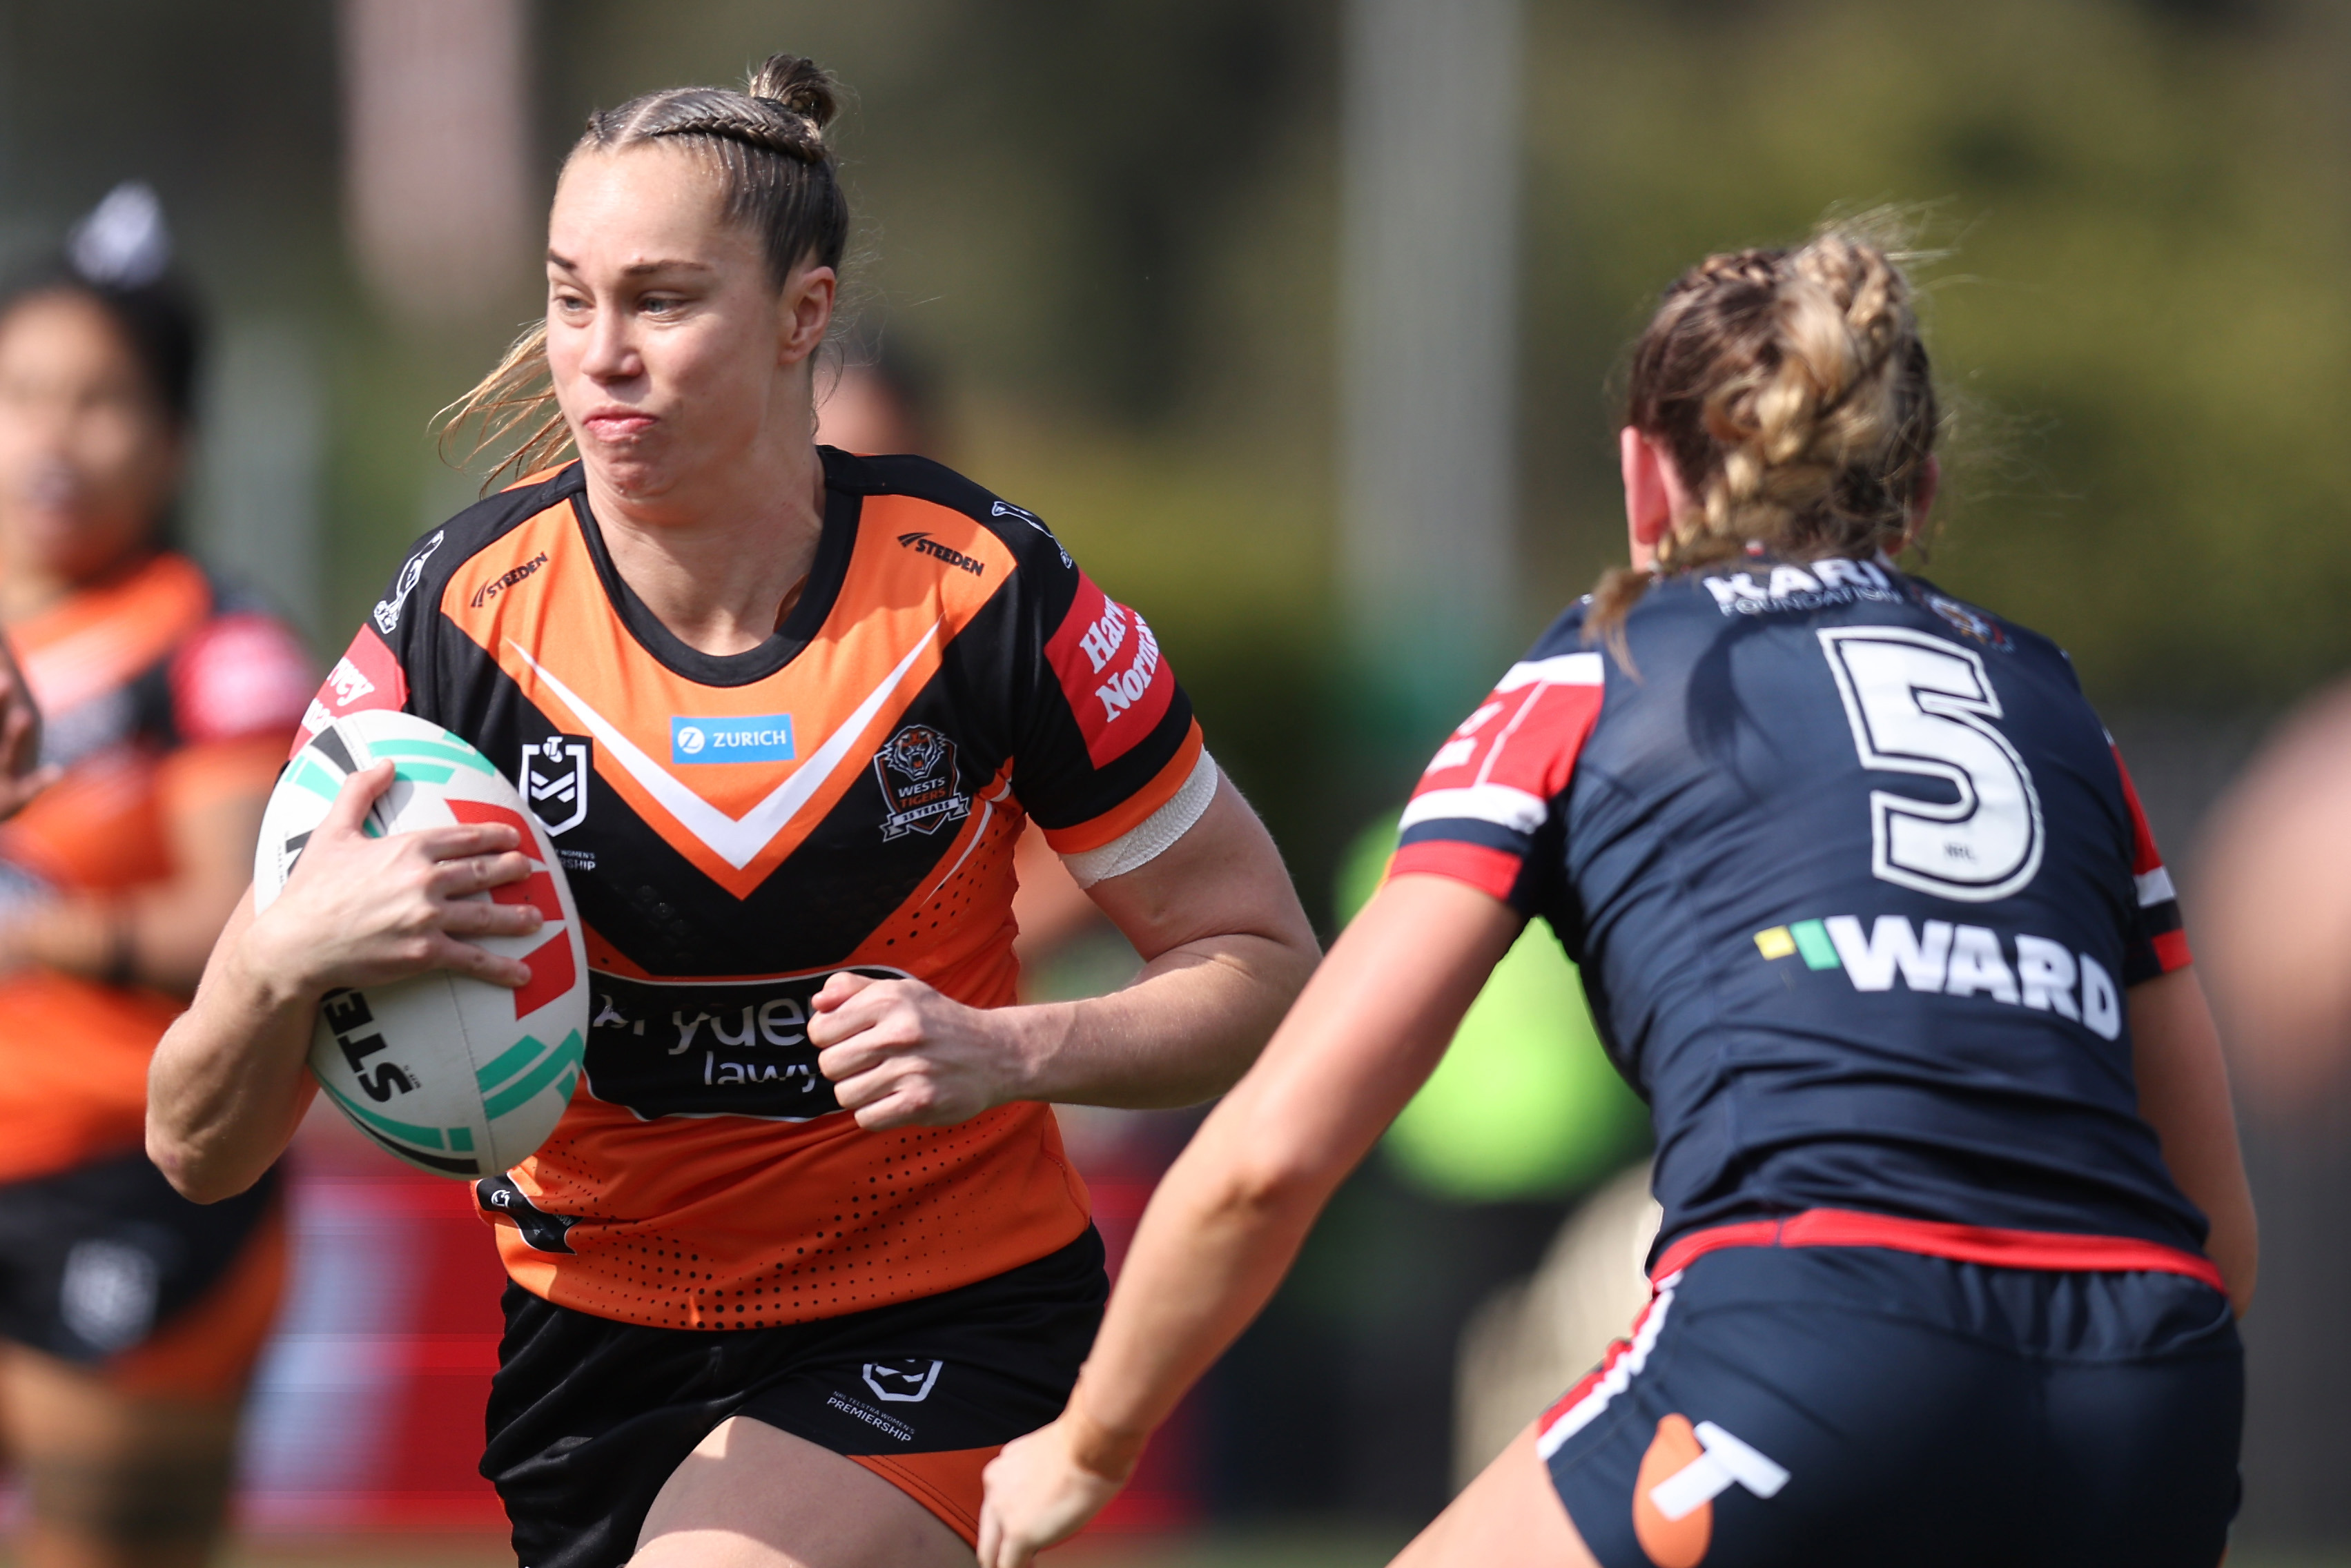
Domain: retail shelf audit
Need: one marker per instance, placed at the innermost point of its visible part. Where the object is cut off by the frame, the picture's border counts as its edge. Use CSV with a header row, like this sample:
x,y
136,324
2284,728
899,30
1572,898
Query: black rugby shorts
x,y
587,1416
96,1261
1863,1405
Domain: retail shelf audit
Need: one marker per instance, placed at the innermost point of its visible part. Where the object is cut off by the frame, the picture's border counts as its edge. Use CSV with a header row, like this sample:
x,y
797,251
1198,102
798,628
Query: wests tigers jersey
x,y
735,829
162,695
1856,883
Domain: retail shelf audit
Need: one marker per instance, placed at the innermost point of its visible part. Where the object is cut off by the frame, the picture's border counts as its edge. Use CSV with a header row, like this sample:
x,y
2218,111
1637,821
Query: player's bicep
x,y
1218,876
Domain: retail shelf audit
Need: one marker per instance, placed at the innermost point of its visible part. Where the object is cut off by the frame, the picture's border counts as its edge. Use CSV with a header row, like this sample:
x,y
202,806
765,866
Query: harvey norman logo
x,y
1955,961
756,738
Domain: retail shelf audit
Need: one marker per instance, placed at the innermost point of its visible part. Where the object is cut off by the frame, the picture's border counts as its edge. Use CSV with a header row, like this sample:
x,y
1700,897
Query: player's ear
x,y
804,312
1922,498
1650,489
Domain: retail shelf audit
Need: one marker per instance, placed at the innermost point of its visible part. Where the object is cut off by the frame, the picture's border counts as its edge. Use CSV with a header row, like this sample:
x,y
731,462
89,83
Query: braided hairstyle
x,y
1795,396
777,177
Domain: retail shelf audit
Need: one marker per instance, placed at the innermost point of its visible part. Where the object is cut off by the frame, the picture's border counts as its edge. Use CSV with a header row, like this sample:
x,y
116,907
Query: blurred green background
x,y
1107,231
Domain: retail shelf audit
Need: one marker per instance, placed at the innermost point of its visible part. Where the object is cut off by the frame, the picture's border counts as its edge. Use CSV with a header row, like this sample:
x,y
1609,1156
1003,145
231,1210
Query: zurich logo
x,y
755,738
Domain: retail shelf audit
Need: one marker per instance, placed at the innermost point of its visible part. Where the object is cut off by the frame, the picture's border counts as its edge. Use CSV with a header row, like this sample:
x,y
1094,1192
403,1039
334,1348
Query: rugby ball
x,y
454,1076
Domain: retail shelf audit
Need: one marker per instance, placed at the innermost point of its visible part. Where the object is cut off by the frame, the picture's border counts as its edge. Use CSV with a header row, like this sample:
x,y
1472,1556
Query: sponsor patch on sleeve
x,y
367,677
1111,670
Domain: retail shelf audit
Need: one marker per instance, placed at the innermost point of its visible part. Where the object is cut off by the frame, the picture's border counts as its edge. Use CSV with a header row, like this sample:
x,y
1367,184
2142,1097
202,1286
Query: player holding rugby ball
x,y
1954,1214
805,1249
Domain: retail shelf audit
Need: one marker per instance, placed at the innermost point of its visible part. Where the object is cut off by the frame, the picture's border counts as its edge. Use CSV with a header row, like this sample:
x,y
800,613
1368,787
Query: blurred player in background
x,y
1954,1214
806,1247
133,1318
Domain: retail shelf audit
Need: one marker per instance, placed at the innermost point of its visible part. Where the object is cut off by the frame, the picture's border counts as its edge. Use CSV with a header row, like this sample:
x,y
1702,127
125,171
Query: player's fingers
x,y
849,1017
838,987
479,873
356,799
470,838
480,963
474,917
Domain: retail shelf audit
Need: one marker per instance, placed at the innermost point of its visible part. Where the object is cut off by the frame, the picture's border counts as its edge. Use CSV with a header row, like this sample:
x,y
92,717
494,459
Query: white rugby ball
x,y
454,1076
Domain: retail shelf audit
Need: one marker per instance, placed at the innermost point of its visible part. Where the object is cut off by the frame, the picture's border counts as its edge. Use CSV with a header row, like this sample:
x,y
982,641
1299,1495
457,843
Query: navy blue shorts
x,y
1857,1405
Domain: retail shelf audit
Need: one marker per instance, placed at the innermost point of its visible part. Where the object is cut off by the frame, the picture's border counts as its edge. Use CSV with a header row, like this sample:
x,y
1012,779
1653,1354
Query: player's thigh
x,y
750,1495
1508,1517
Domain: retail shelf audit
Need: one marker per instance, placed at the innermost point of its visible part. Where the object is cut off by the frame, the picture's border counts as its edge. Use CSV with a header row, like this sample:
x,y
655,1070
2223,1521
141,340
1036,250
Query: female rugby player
x,y
805,1250
131,1319
1954,1217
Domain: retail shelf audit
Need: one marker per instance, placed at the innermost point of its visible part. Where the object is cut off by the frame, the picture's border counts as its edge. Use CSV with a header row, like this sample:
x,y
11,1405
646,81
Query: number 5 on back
x,y
1922,706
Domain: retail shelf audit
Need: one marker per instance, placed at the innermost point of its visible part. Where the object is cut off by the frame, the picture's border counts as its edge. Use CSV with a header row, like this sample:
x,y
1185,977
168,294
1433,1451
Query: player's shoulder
x,y
958,500
432,559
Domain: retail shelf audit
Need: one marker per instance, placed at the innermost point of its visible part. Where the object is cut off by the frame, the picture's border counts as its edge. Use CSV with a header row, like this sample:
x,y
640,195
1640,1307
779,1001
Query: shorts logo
x,y
917,771
555,781
755,738
923,544
1686,1468
387,611
901,1382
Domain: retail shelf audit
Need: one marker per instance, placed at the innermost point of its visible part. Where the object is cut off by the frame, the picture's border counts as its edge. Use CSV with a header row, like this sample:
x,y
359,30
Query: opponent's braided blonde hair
x,y
1794,395
777,176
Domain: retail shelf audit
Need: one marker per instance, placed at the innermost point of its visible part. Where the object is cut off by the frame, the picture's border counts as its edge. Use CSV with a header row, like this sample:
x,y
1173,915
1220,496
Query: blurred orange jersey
x,y
159,697
846,795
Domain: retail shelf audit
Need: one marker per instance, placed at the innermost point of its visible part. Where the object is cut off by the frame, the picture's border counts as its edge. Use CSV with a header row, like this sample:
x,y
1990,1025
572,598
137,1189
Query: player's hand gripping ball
x,y
457,1075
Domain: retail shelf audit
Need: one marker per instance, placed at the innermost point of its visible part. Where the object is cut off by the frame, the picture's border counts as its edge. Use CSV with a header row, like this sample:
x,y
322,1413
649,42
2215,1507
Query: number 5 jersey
x,y
1857,885
735,829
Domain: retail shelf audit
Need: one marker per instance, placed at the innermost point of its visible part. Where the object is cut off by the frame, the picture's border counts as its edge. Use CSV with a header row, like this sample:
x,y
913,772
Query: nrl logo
x,y
555,781
917,770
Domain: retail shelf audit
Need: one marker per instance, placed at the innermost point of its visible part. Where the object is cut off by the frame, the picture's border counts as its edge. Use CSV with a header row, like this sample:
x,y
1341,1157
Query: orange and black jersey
x,y
736,828
164,694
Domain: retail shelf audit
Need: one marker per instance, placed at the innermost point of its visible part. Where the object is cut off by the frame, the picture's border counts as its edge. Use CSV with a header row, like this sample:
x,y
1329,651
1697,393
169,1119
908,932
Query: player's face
x,y
673,354
88,456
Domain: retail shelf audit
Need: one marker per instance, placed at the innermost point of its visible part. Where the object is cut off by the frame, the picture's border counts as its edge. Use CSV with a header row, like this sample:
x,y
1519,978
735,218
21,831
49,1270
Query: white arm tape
x,y
1152,837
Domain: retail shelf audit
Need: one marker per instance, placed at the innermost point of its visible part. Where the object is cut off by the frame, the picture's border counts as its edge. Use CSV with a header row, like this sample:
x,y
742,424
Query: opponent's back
x,y
1856,882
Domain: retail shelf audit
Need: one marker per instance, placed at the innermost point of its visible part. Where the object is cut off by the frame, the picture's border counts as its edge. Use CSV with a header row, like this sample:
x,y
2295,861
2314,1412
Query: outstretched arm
x,y
1228,1219
1225,946
2183,1092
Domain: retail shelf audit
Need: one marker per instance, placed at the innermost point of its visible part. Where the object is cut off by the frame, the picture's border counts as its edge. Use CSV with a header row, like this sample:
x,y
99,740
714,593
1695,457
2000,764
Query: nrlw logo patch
x,y
917,771
555,781
923,544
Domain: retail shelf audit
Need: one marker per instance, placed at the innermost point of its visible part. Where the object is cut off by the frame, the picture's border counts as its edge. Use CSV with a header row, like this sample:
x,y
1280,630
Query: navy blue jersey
x,y
1856,882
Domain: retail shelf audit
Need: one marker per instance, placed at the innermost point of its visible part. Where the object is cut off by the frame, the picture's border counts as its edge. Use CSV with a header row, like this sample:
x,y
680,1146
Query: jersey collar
x,y
829,569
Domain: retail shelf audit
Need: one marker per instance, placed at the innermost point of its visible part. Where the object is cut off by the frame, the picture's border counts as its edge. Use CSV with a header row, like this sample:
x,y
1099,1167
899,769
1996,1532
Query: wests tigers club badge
x,y
917,771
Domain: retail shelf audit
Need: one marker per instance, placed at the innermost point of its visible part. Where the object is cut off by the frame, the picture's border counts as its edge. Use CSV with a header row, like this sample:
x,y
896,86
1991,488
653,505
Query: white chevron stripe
x,y
736,841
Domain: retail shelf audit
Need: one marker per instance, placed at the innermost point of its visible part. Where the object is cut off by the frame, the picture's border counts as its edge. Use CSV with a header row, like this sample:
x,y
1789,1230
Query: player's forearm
x,y
1184,1032
1214,1244
228,1082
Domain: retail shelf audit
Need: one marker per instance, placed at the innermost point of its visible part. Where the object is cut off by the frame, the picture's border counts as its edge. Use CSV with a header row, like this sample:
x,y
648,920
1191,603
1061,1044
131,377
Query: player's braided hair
x,y
778,177
1795,395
